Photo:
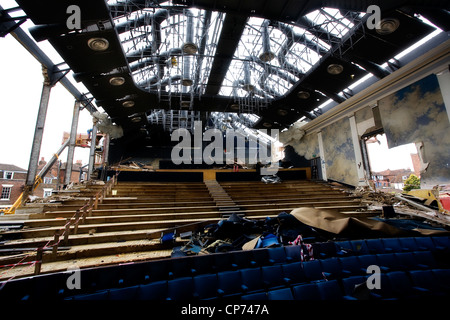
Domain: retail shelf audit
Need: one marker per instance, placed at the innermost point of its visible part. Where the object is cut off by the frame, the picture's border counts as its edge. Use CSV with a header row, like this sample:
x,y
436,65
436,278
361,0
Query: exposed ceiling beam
x,y
232,29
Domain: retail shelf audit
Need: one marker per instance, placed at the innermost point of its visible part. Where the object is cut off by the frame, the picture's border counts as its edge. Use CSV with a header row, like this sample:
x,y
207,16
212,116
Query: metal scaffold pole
x,y
72,142
92,151
39,131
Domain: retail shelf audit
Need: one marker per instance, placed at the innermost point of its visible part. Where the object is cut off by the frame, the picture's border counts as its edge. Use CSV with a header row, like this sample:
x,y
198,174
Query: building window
x,y
8,175
47,180
47,192
6,193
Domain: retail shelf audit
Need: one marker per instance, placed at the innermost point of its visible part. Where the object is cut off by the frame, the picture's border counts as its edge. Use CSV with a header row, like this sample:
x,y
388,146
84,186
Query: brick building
x,y
391,178
13,178
416,163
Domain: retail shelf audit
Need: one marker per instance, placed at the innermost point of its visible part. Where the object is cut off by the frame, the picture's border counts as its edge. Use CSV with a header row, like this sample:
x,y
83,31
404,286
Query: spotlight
x,y
387,26
117,81
98,44
190,48
128,103
335,69
303,95
266,56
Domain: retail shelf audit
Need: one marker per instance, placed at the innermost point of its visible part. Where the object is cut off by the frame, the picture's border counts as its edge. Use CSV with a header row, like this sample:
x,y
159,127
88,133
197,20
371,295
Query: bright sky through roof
x,y
21,85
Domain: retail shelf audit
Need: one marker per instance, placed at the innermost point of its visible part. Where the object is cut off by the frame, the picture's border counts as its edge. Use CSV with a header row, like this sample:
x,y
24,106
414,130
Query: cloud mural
x,y
340,153
305,145
417,114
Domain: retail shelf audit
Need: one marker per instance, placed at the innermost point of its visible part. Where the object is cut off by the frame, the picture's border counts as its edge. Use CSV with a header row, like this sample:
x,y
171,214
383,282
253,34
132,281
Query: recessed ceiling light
x,y
234,106
335,69
267,124
387,26
117,81
190,48
98,44
267,56
128,103
303,95
282,112
136,119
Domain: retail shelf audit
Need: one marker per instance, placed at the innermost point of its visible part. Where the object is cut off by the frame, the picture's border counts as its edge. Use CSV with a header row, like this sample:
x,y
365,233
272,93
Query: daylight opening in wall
x,y
390,168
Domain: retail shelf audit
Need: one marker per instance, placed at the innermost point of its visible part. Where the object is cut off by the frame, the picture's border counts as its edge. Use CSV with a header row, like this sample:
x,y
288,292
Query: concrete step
x,y
119,218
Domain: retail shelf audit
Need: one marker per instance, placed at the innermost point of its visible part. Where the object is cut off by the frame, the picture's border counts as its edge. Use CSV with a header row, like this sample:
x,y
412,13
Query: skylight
x,y
269,59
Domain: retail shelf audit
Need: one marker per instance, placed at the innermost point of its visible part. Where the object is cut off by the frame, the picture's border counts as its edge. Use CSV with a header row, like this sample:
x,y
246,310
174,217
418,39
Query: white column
x,y
322,157
444,83
358,153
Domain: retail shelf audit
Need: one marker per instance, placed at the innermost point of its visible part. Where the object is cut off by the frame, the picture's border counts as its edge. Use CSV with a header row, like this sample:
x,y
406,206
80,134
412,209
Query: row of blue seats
x,y
393,285
356,265
167,269
250,280
95,279
390,245
417,284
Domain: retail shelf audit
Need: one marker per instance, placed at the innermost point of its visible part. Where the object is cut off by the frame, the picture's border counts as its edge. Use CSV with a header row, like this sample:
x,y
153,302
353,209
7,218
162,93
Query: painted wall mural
x,y
305,145
417,114
339,152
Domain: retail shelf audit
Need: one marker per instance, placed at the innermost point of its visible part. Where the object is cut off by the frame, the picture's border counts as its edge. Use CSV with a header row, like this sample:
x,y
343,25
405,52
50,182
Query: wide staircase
x,y
259,200
127,223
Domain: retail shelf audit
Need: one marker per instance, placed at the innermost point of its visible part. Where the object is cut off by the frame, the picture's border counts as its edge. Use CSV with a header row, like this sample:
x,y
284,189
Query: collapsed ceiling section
x,y
159,62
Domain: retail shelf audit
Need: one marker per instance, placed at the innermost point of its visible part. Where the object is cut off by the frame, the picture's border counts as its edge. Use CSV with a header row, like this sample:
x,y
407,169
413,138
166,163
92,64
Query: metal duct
x,y
189,47
146,19
163,83
262,84
293,38
187,81
266,55
201,50
299,38
161,60
268,68
247,85
253,90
